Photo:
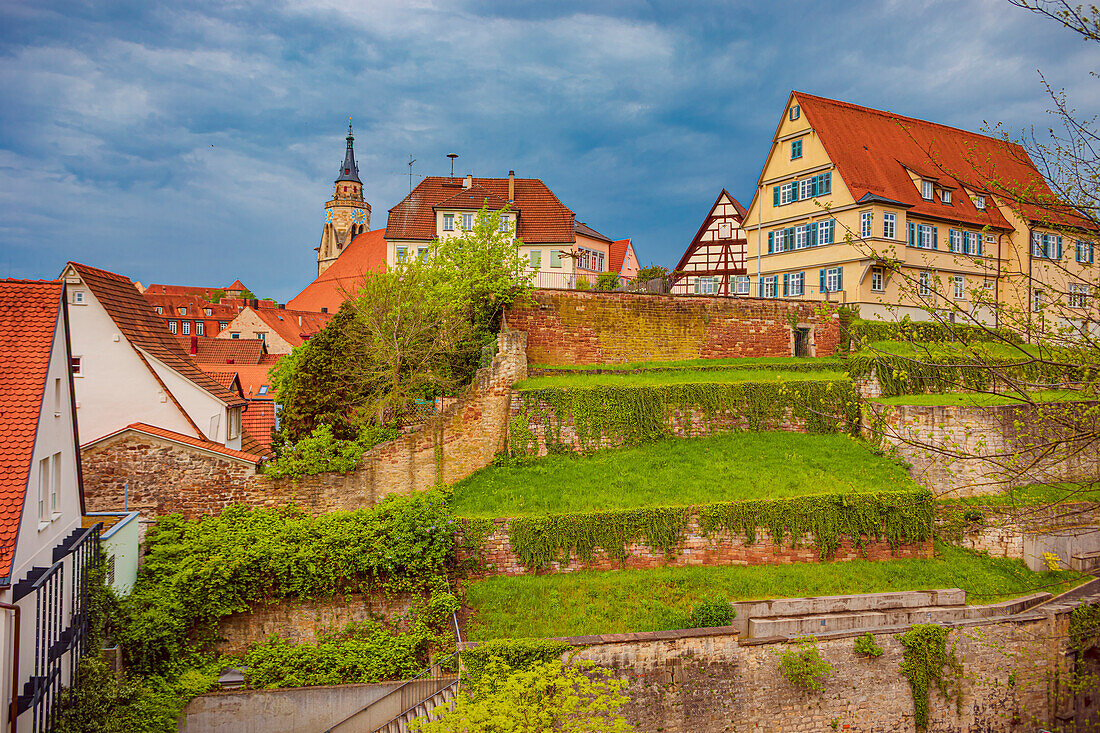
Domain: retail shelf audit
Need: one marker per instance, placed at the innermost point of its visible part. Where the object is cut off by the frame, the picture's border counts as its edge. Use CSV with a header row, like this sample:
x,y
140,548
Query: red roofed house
x,y
128,368
624,260
43,548
342,277
279,329
902,217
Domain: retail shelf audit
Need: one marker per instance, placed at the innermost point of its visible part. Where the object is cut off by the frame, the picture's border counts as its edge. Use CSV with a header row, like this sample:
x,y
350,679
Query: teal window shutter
x,y
794,190
935,238
775,196
840,278
789,232
832,231
786,284
811,234
761,287
823,280
1046,245
978,246
827,180
912,234
771,242
1058,250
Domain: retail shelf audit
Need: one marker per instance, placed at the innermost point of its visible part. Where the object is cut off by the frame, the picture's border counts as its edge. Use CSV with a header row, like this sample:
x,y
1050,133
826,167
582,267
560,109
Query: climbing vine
x,y
1084,627
516,654
925,658
865,331
899,518
606,415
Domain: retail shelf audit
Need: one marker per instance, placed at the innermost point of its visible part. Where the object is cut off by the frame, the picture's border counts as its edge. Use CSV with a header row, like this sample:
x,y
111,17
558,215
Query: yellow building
x,y
905,217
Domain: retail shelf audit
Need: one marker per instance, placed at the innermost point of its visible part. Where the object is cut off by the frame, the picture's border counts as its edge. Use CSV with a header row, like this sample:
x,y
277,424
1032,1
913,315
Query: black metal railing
x,y
60,626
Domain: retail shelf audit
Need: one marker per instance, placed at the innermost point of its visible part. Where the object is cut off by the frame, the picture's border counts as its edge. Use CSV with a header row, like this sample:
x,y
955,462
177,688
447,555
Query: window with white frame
x,y
926,190
889,225
234,426
832,279
973,243
183,311
959,284
798,283
924,236
590,259
536,259
467,221
1038,299
945,196
448,222
924,283
76,365
954,240
200,328
172,326
786,192
864,224
771,286
422,253
802,236
504,223
1085,252
979,203
44,490
725,230
741,285
207,312
989,284
55,484
402,253
78,297
159,310
1078,295
222,325
706,285
876,279
187,328
796,112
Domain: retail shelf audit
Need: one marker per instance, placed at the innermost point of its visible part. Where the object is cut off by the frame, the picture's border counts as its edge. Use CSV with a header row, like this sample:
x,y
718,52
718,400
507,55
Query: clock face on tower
x,y
328,216
357,216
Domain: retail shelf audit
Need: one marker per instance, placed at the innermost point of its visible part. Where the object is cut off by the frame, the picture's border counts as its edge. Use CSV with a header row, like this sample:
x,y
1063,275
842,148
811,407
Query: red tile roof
x,y
542,217
474,198
872,150
196,307
366,253
28,319
145,330
223,351
250,444
252,377
237,285
294,326
194,291
228,380
140,427
618,254
258,419
583,229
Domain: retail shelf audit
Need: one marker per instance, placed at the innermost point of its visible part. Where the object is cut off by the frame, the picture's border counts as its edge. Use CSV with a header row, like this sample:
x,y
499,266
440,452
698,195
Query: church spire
x,y
349,171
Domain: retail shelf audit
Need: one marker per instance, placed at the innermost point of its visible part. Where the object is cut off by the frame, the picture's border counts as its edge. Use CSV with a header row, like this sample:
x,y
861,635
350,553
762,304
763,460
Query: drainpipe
x,y
759,241
13,711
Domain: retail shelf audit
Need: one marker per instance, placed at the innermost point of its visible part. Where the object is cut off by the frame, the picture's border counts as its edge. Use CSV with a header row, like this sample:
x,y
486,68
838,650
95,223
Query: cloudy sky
x,y
195,143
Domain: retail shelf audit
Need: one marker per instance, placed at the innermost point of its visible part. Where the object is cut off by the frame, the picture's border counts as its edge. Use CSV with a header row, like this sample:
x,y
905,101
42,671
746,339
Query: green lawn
x,y
680,471
1033,495
677,376
920,350
585,602
981,399
740,363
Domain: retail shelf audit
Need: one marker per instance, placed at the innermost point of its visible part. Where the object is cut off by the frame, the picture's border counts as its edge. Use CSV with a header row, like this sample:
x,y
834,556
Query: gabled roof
x,y
229,380
366,253
222,351
584,230
196,291
145,330
252,377
474,198
196,307
543,219
206,445
874,151
237,285
618,252
294,326
28,320
258,419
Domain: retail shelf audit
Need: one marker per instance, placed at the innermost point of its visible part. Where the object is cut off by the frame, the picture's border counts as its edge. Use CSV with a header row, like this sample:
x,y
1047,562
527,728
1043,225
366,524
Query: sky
x,y
195,143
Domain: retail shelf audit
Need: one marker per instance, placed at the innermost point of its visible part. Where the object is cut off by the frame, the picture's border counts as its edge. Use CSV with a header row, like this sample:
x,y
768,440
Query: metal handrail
x,y
405,712
394,691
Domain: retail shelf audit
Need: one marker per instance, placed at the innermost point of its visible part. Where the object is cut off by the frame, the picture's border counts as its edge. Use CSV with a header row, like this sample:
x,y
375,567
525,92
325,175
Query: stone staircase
x,y
789,617
424,708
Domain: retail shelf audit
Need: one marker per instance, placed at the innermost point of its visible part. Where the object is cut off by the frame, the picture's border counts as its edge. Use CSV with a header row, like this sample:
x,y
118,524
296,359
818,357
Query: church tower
x,y
347,214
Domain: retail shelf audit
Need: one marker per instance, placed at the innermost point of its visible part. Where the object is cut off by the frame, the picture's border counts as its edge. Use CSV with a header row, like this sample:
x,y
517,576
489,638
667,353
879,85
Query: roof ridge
x,y
105,273
896,116
28,281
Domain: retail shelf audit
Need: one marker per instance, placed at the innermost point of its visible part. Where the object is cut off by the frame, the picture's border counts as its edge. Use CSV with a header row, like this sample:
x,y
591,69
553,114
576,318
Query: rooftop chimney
x,y
469,181
511,187
194,345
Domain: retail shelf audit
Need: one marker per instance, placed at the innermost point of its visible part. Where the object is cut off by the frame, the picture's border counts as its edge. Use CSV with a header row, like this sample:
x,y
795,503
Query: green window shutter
x,y
811,235
761,287
775,196
788,239
786,284
827,182
912,234
555,258
794,190
832,231
822,280
771,242
1058,251
840,278
935,238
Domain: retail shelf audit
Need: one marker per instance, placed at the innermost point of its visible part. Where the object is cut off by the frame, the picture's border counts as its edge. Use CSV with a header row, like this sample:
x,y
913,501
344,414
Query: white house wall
x,y
209,413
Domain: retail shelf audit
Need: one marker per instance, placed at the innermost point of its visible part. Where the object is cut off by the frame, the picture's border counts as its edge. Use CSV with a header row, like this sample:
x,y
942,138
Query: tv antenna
x,y
411,161
452,156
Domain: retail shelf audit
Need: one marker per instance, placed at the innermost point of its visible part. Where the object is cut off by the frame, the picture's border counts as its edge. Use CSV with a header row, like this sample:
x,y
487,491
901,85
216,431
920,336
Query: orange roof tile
x,y
252,377
617,254
474,198
28,319
206,445
542,217
251,444
872,150
258,419
237,285
223,351
366,253
294,326
144,329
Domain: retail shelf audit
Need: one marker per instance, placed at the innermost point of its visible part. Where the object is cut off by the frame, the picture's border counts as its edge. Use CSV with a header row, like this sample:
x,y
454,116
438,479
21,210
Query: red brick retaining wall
x,y
567,327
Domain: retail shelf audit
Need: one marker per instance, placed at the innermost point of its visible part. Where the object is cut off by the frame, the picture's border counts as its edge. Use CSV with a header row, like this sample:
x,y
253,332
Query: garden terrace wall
x,y
584,419
461,439
970,451
566,327
497,556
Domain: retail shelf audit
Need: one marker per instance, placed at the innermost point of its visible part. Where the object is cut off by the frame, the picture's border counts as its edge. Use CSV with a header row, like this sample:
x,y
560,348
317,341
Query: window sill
x,y
877,291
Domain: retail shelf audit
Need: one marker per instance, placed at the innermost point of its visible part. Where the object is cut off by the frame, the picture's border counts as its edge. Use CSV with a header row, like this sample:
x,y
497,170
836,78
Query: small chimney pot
x,y
511,186
468,181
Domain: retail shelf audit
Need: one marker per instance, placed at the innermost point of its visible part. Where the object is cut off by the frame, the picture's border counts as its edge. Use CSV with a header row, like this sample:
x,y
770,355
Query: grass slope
x,y
611,602
678,376
679,471
738,363
1036,495
981,399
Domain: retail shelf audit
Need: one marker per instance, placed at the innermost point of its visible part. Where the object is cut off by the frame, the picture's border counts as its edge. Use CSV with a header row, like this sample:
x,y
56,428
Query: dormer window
x,y
796,112
78,297
945,196
159,310
208,311
183,311
979,203
926,190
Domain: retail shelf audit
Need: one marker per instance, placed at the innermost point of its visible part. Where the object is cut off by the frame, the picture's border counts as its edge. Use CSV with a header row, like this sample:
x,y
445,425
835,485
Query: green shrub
x,y
865,331
514,654
804,666
866,646
321,452
582,283
607,281
712,612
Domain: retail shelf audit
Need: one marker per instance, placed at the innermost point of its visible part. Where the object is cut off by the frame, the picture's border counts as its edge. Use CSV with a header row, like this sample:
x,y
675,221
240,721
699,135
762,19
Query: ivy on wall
x,y
899,518
927,332
515,654
635,415
925,658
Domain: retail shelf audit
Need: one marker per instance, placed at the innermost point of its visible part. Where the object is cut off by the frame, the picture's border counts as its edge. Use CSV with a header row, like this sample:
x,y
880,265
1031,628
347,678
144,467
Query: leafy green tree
x,y
650,272
607,281
547,696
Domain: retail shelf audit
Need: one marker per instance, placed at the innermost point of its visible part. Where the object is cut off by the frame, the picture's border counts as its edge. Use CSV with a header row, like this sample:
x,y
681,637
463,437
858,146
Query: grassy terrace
x,y
768,362
981,399
610,602
1030,496
678,376
727,467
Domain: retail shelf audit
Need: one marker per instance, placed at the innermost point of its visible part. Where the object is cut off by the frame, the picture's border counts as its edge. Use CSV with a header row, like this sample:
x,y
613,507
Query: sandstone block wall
x,y
969,451
498,557
461,439
577,327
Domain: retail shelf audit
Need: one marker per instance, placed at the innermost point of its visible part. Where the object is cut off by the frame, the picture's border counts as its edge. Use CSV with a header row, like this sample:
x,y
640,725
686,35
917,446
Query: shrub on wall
x,y
803,666
513,654
635,415
865,331
321,452
866,646
925,659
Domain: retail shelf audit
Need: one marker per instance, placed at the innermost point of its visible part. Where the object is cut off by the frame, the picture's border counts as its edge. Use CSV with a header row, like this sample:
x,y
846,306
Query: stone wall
x,y
571,327
1023,532
497,556
461,439
969,451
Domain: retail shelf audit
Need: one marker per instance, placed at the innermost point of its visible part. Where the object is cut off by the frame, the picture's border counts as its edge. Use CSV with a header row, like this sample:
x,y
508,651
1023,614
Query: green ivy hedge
x,y
824,520
515,654
802,365
865,331
645,414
